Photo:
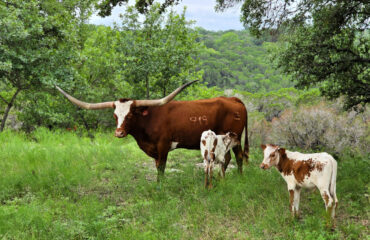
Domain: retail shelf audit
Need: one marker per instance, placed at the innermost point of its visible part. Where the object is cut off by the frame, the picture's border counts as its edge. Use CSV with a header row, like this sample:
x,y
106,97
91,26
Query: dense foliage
x,y
130,61
328,42
147,59
235,59
37,46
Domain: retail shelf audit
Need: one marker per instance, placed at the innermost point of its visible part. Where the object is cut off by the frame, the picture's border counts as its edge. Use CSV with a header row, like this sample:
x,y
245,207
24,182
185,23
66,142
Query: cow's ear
x,y
142,111
281,151
145,112
263,146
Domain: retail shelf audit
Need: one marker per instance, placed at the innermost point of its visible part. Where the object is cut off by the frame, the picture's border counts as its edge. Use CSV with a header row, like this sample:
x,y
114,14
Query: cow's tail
x,y
246,142
333,180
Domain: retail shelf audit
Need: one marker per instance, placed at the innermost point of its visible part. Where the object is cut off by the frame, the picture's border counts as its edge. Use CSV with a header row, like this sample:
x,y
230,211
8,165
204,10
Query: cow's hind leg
x,y
239,157
205,176
329,203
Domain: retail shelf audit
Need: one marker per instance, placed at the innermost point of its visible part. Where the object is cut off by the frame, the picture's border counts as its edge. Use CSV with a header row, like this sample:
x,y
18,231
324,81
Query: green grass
x,y
56,185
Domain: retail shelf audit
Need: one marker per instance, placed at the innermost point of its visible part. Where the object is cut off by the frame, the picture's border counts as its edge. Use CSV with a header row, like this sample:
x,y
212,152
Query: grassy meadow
x,y
57,185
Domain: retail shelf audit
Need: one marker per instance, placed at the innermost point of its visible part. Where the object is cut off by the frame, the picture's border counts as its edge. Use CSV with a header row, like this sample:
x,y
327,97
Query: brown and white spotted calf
x,y
214,148
304,171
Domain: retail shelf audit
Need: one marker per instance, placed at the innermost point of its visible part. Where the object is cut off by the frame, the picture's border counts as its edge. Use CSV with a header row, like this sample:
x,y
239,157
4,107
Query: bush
x,y
321,127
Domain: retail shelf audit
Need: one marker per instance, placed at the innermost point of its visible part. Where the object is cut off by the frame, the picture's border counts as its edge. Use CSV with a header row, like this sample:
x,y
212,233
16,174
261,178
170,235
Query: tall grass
x,y
57,185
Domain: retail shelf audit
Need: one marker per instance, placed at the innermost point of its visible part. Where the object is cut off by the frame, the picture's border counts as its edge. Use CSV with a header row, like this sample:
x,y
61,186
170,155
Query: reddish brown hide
x,y
183,122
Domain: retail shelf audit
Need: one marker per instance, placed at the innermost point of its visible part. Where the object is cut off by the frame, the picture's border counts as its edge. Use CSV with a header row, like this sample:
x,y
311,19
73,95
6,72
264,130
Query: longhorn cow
x,y
162,125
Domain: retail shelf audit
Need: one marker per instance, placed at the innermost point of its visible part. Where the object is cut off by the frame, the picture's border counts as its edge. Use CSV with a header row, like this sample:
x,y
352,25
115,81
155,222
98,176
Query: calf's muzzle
x,y
264,166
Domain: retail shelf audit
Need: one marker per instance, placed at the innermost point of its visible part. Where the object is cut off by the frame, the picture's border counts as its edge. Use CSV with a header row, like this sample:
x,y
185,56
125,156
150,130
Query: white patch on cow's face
x,y
270,156
121,111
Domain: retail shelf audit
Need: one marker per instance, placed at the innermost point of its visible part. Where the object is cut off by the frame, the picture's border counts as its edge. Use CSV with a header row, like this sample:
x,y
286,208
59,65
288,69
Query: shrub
x,y
321,127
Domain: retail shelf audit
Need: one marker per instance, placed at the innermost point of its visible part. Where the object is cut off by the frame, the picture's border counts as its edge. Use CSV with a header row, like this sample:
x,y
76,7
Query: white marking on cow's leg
x,y
291,201
297,194
210,175
328,203
335,205
326,197
205,174
173,145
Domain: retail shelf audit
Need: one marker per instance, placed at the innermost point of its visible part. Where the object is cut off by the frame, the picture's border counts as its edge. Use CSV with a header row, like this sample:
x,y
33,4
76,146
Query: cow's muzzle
x,y
120,134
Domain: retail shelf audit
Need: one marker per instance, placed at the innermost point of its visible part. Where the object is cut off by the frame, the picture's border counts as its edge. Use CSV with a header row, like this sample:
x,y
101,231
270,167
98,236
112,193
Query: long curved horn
x,y
85,105
162,101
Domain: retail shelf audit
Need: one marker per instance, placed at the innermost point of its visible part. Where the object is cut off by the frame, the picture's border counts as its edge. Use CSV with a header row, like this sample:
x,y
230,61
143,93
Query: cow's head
x,y
271,155
125,109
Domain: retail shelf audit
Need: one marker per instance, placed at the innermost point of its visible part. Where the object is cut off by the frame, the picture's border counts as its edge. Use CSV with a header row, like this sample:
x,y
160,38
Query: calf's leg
x,y
291,202
225,164
205,174
328,200
297,194
210,176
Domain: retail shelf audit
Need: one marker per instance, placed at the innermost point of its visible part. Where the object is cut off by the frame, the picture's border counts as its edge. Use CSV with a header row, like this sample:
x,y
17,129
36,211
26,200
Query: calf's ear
x,y
225,139
263,146
233,135
281,151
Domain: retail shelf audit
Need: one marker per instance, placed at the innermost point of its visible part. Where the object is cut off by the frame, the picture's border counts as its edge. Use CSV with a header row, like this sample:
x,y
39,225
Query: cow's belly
x,y
191,139
194,146
308,185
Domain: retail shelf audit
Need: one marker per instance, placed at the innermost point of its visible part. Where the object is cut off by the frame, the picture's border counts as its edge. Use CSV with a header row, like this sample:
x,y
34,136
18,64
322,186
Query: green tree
x,y
105,6
97,78
36,45
160,52
328,43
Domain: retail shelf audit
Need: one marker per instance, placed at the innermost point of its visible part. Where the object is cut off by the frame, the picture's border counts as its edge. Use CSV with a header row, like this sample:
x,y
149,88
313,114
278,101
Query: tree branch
x,y
4,100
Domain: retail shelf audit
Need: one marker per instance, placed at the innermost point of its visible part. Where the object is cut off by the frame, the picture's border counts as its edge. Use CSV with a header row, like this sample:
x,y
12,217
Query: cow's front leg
x,y
160,161
238,151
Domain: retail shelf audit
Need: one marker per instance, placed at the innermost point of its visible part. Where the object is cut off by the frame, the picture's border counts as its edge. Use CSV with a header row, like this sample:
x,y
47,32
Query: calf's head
x,y
230,140
271,155
125,109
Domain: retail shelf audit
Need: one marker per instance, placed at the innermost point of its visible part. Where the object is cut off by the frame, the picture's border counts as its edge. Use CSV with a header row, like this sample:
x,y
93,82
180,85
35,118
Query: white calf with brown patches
x,y
304,171
213,149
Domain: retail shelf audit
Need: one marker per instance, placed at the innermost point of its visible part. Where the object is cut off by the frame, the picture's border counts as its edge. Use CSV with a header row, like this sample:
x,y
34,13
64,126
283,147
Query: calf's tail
x,y
333,180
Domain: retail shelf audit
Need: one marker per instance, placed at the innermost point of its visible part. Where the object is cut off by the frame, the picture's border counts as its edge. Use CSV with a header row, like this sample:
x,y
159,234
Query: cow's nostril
x,y
118,134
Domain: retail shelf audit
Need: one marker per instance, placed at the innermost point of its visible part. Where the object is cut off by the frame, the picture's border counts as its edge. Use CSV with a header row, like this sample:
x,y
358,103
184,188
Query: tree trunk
x,y
10,105
164,90
147,87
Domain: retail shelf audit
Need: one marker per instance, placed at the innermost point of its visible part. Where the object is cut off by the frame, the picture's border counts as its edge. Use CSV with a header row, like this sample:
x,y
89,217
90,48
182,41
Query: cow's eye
x,y
272,155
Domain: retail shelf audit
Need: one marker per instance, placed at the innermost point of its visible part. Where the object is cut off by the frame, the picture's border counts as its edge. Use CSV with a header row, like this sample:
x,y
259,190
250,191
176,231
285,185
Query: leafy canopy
x,y
328,42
